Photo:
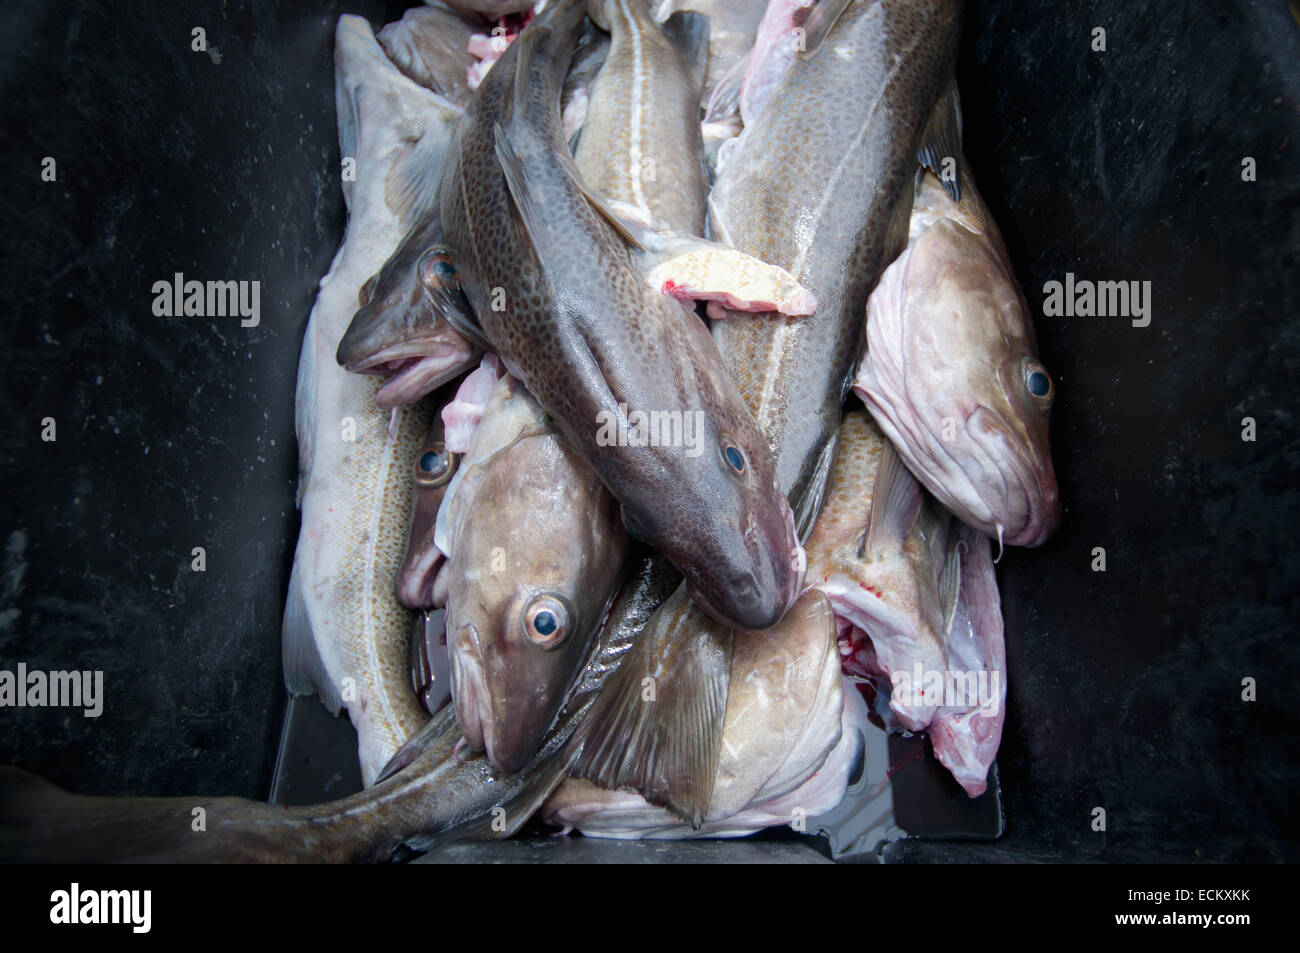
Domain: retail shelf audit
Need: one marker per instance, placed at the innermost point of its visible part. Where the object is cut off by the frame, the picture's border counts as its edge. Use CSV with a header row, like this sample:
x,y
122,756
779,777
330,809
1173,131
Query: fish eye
x,y
1039,384
436,269
732,455
435,466
547,621
368,289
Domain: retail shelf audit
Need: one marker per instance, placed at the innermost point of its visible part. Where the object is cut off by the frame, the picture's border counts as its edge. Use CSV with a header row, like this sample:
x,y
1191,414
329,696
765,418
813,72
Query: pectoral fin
x,y
437,729
895,504
304,669
819,23
657,725
411,187
725,99
950,585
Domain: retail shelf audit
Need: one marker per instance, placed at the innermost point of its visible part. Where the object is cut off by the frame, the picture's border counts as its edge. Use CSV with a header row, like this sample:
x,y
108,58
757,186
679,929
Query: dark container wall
x,y
172,433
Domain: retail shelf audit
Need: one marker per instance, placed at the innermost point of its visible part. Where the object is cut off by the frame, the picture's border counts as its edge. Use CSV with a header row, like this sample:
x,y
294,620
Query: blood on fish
x,y
668,287
875,592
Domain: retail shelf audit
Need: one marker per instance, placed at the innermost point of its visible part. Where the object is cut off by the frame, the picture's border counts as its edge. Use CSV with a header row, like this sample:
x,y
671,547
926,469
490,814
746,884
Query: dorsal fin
x,y
941,141
525,47
824,16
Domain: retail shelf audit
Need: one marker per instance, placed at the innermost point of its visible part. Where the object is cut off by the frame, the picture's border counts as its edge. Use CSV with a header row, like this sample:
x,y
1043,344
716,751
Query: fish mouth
x,y
871,618
758,599
1028,510
413,369
415,580
469,690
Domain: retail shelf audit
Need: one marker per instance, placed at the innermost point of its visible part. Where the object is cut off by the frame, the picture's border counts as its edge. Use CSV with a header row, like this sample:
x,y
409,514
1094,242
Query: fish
x,y
344,632
792,740
405,327
952,375
819,183
603,352
536,549
643,115
400,333
643,106
435,466
733,25
430,45
912,590
427,795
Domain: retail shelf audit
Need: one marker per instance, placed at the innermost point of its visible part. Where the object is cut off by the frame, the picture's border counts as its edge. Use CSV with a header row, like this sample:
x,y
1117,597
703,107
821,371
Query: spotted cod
x,y
345,633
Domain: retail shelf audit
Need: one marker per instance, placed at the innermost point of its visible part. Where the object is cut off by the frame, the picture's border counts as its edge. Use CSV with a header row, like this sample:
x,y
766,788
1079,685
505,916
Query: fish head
x,y
530,579
399,332
953,376
431,473
716,510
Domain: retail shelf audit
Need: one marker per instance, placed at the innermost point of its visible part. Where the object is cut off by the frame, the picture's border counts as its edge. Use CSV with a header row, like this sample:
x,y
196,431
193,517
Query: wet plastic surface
x,y
175,433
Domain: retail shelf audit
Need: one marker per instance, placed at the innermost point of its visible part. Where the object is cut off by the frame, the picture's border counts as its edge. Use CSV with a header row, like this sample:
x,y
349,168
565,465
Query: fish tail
x,y
42,823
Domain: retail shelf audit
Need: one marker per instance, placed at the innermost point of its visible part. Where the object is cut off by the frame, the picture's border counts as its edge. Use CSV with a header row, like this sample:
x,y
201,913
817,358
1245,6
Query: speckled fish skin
x,y
641,142
585,334
342,618
532,528
820,184
436,796
950,354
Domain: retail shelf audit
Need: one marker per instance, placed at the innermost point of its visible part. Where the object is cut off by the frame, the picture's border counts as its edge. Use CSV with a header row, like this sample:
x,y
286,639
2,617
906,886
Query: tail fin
x,y
42,823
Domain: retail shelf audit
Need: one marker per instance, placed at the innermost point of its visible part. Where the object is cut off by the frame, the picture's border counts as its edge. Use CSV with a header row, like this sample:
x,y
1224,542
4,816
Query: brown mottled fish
x,y
535,554
913,591
820,184
629,375
951,370
427,794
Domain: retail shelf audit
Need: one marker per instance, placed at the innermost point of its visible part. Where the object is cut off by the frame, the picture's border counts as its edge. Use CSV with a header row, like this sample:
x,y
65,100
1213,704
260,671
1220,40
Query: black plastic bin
x,y
1126,686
